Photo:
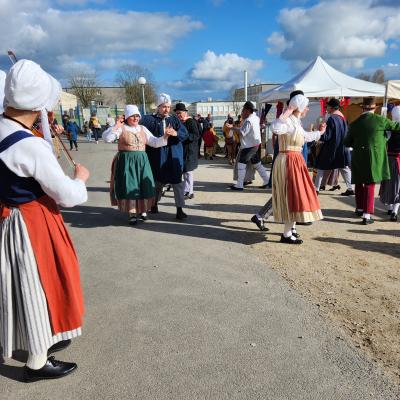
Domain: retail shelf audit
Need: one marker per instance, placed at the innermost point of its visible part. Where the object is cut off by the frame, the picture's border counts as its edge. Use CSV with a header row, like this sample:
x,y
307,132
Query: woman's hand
x,y
81,173
322,127
58,129
170,131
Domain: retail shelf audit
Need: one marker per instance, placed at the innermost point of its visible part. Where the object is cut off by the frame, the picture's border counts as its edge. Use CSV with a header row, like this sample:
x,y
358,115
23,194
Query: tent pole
x,y
385,101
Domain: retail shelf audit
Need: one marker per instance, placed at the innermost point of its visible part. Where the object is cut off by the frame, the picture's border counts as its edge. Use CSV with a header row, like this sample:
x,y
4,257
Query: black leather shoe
x,y
359,213
132,221
322,188
333,188
191,196
247,183
53,369
348,193
393,217
389,212
59,346
144,217
259,223
367,221
233,187
180,214
295,234
154,209
289,240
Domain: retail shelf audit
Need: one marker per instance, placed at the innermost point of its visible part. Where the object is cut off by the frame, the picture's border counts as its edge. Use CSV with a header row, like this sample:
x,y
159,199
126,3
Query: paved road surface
x,y
185,311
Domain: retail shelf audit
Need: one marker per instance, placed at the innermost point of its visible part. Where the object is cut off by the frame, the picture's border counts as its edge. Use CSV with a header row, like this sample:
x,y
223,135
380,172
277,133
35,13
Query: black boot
x,y
180,214
154,209
53,369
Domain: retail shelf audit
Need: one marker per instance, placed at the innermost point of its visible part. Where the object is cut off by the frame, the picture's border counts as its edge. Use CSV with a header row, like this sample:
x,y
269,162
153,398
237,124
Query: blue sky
x,y
199,48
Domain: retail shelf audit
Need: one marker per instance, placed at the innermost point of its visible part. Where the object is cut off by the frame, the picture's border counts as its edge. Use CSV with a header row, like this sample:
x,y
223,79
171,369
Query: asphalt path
x,y
184,310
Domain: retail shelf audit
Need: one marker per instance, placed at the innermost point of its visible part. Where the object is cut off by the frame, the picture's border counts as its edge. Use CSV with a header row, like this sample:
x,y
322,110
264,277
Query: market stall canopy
x,y
319,79
393,90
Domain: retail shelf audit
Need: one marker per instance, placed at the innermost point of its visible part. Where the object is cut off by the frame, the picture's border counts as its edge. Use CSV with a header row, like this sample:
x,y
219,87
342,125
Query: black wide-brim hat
x,y
368,103
180,107
249,106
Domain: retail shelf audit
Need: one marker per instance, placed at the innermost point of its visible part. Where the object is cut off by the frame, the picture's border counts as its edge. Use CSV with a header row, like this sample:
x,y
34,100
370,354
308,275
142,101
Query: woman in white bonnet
x,y
293,195
41,304
389,193
2,82
132,186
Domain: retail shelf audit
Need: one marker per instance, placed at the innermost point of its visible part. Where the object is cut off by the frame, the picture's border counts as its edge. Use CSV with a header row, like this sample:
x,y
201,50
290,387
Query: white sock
x,y
287,230
144,214
389,207
396,208
366,215
259,216
36,361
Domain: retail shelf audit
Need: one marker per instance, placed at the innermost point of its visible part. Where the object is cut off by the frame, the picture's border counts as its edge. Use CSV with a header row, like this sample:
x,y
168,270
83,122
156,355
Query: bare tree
x,y
84,85
378,76
364,77
235,97
128,76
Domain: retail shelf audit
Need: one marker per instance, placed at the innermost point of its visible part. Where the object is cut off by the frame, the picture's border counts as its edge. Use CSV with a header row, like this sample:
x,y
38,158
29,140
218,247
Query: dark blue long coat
x,y
166,162
333,153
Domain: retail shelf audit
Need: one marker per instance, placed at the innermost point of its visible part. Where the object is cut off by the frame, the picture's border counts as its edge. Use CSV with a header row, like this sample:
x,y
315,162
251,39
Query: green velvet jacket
x,y
366,135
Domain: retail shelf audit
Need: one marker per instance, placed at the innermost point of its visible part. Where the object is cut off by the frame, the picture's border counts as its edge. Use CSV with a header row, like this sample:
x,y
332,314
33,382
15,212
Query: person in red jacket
x,y
210,138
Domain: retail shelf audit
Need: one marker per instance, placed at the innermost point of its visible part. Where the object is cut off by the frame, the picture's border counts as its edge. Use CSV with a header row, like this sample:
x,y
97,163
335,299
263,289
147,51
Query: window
x,y
100,103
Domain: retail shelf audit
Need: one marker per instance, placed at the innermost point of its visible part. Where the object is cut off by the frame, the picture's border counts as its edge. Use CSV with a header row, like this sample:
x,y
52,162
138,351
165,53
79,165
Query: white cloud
x,y
34,30
224,67
344,33
79,2
217,73
278,43
114,63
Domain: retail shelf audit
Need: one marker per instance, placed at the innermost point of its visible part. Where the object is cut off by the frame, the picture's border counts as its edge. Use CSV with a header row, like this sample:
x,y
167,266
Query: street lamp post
x,y
142,82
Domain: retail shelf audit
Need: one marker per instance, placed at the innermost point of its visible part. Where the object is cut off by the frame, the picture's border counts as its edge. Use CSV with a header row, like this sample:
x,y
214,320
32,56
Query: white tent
x,y
319,79
393,90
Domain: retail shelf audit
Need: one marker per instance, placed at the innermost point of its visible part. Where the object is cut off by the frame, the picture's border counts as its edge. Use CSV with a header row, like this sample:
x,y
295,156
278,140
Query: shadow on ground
x,y
13,372
87,217
389,249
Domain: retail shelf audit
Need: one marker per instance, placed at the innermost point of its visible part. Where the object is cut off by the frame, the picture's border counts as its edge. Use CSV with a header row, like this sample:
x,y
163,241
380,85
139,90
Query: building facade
x,y
253,91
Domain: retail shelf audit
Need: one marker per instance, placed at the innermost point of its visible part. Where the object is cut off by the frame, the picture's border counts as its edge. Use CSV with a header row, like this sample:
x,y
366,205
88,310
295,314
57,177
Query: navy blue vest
x,y
13,188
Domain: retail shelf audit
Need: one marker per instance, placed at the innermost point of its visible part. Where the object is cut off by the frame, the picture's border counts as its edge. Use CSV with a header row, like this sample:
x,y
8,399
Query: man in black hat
x,y
250,141
190,148
333,154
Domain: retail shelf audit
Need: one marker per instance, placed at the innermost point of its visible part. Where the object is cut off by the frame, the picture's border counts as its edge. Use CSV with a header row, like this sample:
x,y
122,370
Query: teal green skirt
x,y
133,178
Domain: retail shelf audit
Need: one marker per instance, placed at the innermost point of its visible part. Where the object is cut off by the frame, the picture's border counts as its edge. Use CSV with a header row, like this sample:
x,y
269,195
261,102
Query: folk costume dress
x,y
390,189
41,300
132,186
293,194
